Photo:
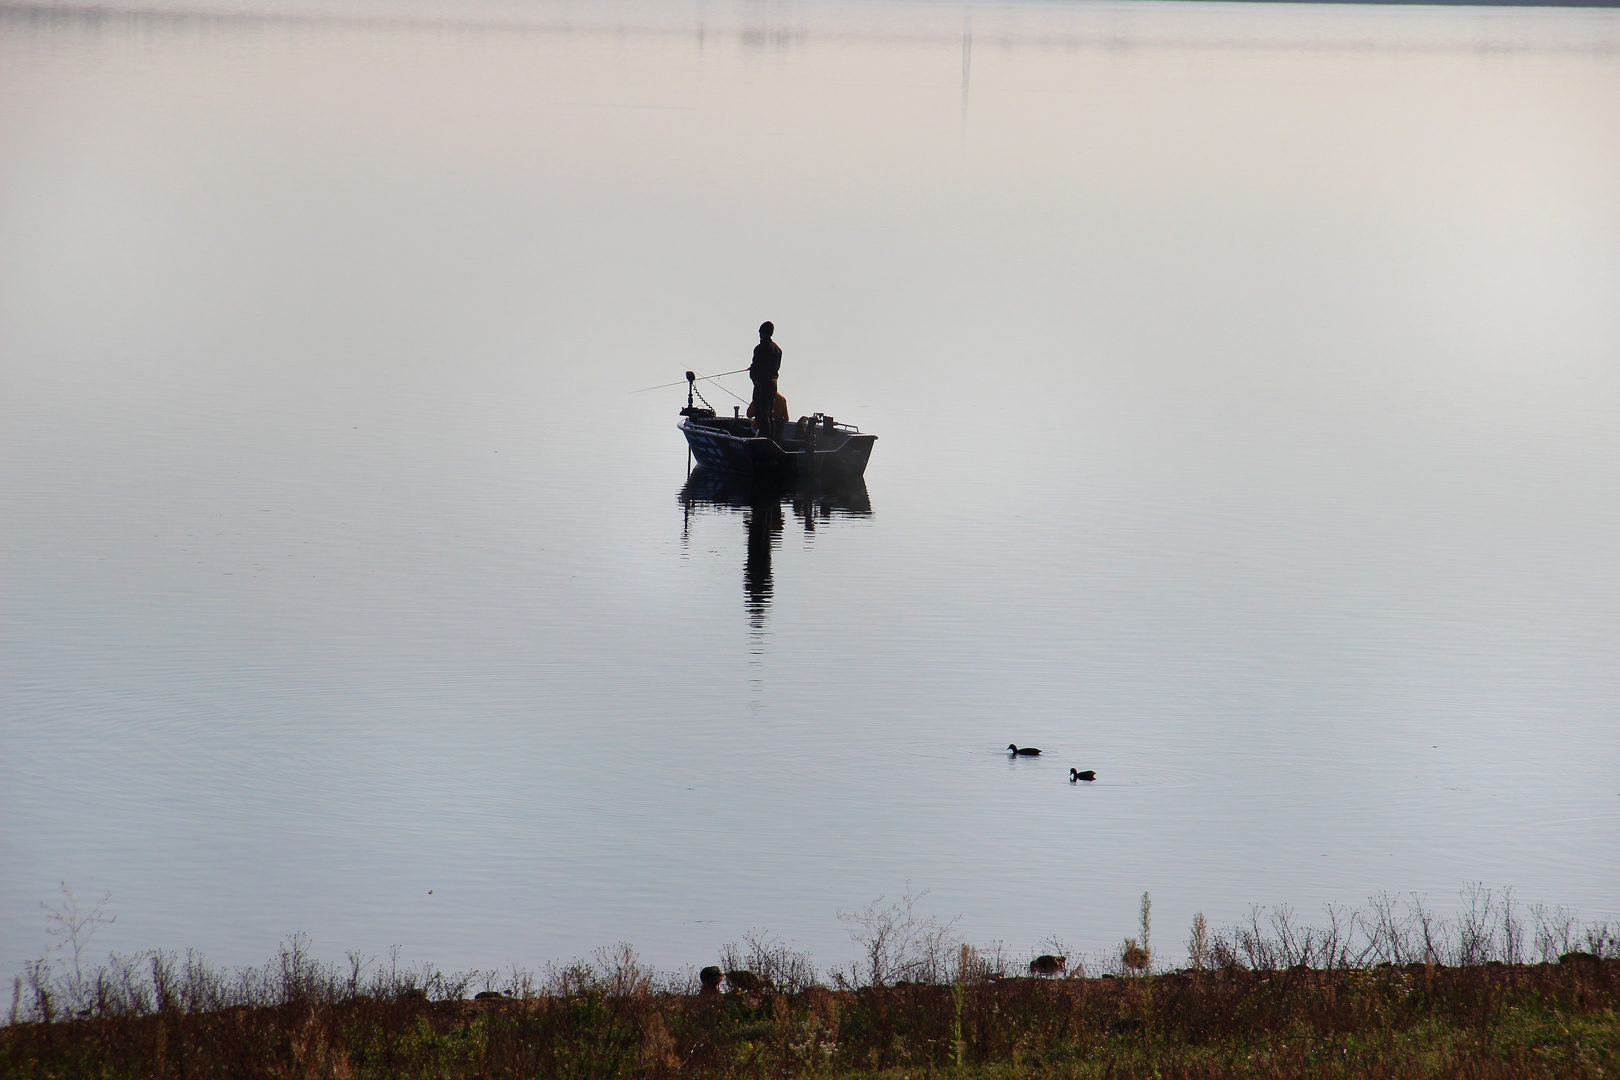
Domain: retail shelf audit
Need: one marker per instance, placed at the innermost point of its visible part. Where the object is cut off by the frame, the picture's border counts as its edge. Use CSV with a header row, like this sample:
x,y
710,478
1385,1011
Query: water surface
x,y
1244,378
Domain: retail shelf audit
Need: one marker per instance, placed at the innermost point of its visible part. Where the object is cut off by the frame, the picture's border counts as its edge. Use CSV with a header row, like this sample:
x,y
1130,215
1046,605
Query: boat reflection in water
x,y
764,505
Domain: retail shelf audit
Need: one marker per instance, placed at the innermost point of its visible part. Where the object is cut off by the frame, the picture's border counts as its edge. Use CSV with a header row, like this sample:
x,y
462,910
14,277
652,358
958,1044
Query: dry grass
x,y
1495,1020
1391,991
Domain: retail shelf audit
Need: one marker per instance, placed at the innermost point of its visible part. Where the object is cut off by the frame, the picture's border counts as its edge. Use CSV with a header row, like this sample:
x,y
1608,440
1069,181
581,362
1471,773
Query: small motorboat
x,y
815,445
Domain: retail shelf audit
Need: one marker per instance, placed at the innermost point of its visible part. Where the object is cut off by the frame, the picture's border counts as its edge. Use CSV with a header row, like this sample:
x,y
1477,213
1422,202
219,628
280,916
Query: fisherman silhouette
x,y
766,367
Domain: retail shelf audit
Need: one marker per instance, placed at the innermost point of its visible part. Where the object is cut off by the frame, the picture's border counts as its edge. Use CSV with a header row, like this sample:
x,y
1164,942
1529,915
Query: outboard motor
x,y
691,388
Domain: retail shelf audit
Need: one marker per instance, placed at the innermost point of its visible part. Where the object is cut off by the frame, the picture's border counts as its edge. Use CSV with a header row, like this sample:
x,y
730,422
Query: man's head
x,y
766,330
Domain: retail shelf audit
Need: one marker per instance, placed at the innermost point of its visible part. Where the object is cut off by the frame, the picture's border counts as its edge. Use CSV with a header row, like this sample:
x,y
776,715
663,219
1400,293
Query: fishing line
x,y
666,386
740,398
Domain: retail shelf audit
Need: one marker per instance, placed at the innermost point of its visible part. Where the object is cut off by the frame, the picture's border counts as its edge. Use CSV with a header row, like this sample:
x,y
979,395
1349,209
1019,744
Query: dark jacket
x,y
767,363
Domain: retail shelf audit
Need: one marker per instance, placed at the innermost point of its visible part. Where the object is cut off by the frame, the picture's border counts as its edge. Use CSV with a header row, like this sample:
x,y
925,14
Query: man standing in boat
x,y
766,367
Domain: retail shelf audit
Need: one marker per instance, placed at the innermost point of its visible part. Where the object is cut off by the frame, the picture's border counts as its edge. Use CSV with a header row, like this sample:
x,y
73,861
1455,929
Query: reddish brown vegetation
x,y
1488,1021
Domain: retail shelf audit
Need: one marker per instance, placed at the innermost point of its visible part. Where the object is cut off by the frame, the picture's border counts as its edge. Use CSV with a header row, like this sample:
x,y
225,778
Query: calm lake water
x,y
1245,378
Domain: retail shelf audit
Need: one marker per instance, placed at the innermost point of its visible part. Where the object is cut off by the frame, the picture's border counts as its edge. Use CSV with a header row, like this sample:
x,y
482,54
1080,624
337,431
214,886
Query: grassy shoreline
x,y
1392,990
1418,1020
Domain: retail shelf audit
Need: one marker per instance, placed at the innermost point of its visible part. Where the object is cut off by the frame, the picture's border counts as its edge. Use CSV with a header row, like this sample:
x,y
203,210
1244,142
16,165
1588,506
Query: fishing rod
x,y
706,378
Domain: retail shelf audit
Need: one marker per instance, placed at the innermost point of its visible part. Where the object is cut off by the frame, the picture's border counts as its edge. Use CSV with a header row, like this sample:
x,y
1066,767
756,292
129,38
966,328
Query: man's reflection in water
x,y
762,507
763,520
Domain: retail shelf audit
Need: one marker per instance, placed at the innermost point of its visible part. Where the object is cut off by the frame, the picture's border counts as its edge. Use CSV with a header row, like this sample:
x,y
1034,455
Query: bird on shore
x,y
1047,964
1087,775
1027,751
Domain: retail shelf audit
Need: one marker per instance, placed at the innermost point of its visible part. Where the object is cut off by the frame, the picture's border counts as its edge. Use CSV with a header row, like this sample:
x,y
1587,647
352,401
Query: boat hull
x,y
837,452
